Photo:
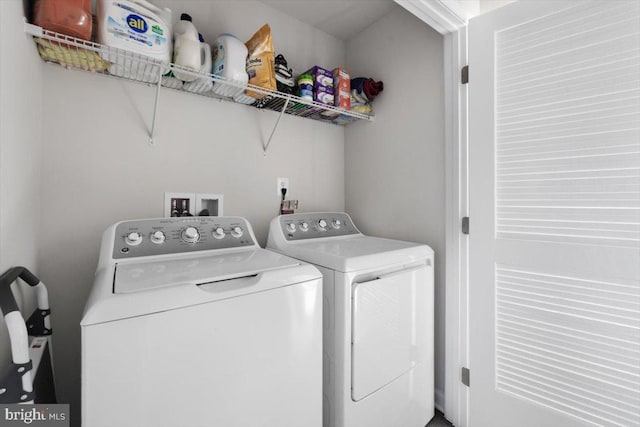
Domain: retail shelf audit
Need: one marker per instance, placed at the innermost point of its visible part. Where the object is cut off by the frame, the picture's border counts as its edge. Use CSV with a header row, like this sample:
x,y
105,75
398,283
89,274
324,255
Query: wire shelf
x,y
74,53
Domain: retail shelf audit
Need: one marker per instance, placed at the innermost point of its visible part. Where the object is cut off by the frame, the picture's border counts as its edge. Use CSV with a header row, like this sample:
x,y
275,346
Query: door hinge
x,y
464,75
465,225
465,376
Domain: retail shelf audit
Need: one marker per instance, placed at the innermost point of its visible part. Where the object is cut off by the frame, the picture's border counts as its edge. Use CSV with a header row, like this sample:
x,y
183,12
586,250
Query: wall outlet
x,y
283,183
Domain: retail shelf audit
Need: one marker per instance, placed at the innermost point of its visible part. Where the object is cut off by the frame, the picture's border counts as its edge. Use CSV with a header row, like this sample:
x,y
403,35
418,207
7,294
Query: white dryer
x,y
191,323
378,319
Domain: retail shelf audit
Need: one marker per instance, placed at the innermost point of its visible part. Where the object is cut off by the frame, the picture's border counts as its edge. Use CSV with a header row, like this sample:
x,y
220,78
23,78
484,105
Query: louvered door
x,y
554,98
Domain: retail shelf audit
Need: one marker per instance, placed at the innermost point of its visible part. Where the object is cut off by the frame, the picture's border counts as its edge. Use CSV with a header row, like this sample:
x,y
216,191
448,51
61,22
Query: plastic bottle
x,y
305,87
139,27
204,83
70,17
230,62
186,48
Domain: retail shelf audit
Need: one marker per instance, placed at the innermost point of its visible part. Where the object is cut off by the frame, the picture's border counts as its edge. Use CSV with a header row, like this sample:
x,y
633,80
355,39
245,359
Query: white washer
x,y
378,327
191,323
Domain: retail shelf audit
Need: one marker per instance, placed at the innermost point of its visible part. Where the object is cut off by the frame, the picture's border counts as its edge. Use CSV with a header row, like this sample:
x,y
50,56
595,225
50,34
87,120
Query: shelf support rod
x,y
155,108
266,146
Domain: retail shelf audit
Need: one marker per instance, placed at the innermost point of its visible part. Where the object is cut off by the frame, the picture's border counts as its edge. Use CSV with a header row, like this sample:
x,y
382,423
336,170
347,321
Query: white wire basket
x,y
74,53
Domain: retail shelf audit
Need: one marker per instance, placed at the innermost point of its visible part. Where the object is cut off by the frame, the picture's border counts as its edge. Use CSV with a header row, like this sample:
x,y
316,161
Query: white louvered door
x,y
554,137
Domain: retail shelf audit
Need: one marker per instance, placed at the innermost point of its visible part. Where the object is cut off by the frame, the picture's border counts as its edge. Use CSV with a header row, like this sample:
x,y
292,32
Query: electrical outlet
x,y
283,183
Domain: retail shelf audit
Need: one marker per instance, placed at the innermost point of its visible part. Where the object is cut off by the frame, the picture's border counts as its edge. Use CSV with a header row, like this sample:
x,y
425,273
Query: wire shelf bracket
x,y
265,147
155,111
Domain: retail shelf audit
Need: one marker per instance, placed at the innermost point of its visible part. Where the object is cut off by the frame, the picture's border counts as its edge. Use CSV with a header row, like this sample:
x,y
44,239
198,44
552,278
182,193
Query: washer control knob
x,y
218,233
322,224
304,226
190,235
133,239
158,237
291,227
237,232
336,223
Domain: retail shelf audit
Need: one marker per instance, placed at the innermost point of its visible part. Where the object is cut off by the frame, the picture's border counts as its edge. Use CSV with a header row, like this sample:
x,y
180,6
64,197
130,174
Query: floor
x,y
439,421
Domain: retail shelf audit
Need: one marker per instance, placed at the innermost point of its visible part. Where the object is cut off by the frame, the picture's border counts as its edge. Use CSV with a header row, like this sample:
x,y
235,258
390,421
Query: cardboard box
x,y
342,100
324,95
321,76
341,79
342,88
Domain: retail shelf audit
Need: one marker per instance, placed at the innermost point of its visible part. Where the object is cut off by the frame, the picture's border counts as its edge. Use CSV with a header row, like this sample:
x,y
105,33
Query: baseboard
x,y
439,400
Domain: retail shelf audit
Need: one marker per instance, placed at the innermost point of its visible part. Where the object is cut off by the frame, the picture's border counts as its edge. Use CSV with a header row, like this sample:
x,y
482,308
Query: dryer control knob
x,y
304,226
237,232
133,239
322,224
218,233
291,227
190,235
158,237
336,223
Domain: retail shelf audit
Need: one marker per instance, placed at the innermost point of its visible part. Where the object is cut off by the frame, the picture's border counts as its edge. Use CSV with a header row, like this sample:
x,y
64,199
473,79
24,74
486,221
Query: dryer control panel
x,y
304,226
177,235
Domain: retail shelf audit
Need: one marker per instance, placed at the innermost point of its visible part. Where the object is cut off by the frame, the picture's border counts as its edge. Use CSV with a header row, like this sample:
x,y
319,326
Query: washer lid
x,y
144,276
353,253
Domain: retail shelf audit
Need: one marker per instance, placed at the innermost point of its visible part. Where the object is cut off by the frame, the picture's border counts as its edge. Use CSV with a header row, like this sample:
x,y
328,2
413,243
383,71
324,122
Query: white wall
x,y
99,168
489,5
20,154
394,167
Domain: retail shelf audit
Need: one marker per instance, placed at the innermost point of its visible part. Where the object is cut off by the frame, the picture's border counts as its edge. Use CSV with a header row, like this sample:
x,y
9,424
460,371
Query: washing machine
x,y
191,323
378,319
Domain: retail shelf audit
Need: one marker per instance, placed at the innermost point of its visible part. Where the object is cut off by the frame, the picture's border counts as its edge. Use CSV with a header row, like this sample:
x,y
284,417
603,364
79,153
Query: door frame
x,y
450,19
456,243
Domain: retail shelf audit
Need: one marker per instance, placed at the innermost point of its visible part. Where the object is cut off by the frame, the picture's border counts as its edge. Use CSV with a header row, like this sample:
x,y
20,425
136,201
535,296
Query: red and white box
x,y
342,88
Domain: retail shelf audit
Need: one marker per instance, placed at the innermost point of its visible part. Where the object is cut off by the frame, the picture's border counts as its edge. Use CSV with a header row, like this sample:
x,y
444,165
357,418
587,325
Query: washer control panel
x,y
176,235
315,225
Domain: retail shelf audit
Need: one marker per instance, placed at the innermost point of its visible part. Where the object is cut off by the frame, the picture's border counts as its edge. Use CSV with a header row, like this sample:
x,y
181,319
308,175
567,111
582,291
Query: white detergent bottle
x,y
141,29
203,83
230,62
186,48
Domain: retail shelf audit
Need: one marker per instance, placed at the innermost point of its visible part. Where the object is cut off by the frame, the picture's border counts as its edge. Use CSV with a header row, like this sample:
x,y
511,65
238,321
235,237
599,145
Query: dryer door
x,y
385,331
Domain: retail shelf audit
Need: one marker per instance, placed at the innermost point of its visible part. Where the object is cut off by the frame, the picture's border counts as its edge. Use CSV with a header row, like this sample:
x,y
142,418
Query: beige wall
x,y
99,168
394,167
20,154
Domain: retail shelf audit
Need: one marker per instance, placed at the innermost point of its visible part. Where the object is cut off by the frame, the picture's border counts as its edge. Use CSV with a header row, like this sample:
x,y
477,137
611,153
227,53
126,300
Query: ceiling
x,y
341,18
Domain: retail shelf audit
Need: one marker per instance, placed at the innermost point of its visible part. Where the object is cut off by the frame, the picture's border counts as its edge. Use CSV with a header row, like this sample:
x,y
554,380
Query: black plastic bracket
x,y
7,301
35,323
11,390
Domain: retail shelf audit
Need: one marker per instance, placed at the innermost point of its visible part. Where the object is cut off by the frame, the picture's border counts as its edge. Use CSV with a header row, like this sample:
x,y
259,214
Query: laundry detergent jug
x,y
229,61
186,49
204,83
137,38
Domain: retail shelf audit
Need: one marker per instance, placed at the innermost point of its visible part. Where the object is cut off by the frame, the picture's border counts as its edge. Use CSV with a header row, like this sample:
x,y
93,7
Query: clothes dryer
x,y
378,319
191,323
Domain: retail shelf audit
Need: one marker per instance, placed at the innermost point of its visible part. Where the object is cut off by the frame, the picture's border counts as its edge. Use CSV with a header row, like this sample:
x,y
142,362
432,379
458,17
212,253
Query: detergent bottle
x,y
138,27
186,48
230,62
203,83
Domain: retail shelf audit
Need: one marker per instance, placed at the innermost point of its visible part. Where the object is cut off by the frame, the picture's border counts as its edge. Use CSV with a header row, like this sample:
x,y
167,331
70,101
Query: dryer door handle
x,y
375,276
